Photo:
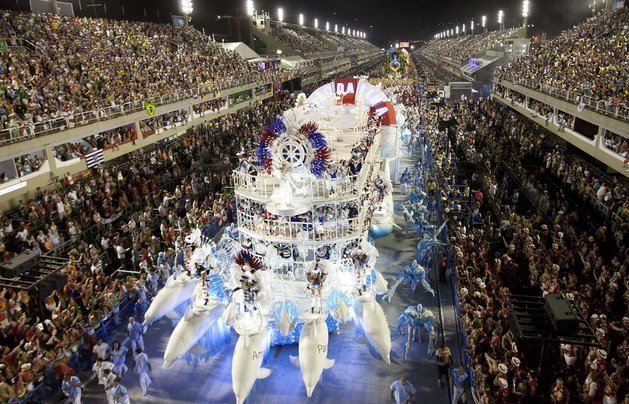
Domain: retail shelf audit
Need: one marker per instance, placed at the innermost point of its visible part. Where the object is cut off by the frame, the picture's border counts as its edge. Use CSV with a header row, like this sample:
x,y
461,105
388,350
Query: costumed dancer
x,y
316,276
120,393
118,356
360,259
142,367
71,387
135,331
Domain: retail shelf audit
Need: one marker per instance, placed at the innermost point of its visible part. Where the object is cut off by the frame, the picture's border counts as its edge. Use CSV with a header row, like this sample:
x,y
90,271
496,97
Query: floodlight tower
x,y
483,23
280,14
250,8
186,10
526,9
501,20
301,19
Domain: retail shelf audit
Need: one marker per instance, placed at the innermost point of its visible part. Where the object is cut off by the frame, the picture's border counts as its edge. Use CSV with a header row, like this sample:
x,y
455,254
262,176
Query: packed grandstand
x,y
526,213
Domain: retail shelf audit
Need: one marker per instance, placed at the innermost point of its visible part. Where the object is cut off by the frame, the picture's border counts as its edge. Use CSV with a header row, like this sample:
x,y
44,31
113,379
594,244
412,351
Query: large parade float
x,y
301,262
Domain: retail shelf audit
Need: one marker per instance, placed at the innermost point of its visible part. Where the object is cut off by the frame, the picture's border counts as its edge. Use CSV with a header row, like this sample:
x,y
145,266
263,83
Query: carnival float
x,y
301,262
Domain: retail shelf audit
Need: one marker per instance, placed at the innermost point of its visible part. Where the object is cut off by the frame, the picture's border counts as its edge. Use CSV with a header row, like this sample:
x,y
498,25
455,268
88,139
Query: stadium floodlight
x,y
301,19
353,32
327,25
501,15
397,46
463,28
185,6
336,28
526,8
316,24
483,21
250,8
343,31
472,26
280,14
457,30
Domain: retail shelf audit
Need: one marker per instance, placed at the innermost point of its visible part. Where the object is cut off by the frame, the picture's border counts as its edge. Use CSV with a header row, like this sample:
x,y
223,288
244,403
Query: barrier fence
x,y
620,111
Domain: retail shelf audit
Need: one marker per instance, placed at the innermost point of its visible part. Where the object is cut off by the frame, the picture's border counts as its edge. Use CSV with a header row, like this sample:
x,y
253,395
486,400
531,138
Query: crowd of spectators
x,y
462,48
110,139
167,120
588,60
618,144
211,106
138,210
66,75
301,41
29,163
556,250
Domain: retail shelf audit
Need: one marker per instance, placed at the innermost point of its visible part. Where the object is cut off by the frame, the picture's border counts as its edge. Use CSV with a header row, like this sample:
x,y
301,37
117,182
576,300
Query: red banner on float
x,y
346,88
385,110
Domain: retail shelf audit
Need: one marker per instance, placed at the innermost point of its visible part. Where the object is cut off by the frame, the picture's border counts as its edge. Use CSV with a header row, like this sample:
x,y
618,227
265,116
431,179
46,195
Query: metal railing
x,y
316,231
619,111
263,186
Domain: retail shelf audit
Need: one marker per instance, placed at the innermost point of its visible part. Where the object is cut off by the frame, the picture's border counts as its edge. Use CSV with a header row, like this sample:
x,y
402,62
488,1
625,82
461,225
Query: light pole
x,y
501,21
316,23
336,28
186,10
280,14
250,8
483,23
301,19
526,9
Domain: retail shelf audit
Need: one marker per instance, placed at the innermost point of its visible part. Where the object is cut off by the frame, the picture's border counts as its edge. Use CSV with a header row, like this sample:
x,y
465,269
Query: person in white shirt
x,y
142,367
109,378
101,350
402,391
120,393
98,368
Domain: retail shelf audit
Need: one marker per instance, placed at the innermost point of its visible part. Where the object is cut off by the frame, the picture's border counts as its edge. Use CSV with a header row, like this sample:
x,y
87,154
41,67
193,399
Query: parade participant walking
x,y
402,391
71,387
135,331
118,356
120,393
142,367
99,367
444,360
109,377
460,379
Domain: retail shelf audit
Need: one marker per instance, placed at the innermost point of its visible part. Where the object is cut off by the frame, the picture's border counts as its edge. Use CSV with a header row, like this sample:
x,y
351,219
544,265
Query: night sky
x,y
385,21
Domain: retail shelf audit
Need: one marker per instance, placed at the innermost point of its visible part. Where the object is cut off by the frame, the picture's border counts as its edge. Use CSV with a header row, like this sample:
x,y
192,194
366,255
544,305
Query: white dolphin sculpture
x,y
199,318
313,352
370,319
174,293
247,362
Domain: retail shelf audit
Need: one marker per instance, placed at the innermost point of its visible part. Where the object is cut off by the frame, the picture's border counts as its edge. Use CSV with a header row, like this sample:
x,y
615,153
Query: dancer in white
x,y
142,367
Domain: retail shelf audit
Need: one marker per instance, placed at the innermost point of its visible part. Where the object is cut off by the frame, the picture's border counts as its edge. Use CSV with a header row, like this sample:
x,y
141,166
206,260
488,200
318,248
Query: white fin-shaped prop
x,y
294,360
263,373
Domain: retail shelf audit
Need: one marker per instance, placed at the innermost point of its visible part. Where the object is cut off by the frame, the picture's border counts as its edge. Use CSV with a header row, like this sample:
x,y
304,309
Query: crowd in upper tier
x,y
588,60
88,64
462,48
307,44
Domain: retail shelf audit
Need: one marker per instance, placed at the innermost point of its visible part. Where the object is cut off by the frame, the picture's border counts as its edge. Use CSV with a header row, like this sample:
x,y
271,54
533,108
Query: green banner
x,y
150,108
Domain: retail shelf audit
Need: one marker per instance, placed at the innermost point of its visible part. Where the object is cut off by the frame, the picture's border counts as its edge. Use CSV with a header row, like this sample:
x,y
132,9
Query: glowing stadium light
x,y
316,24
185,6
501,15
463,28
353,32
336,28
327,25
472,26
397,46
457,30
526,8
343,31
301,19
280,14
483,21
250,8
